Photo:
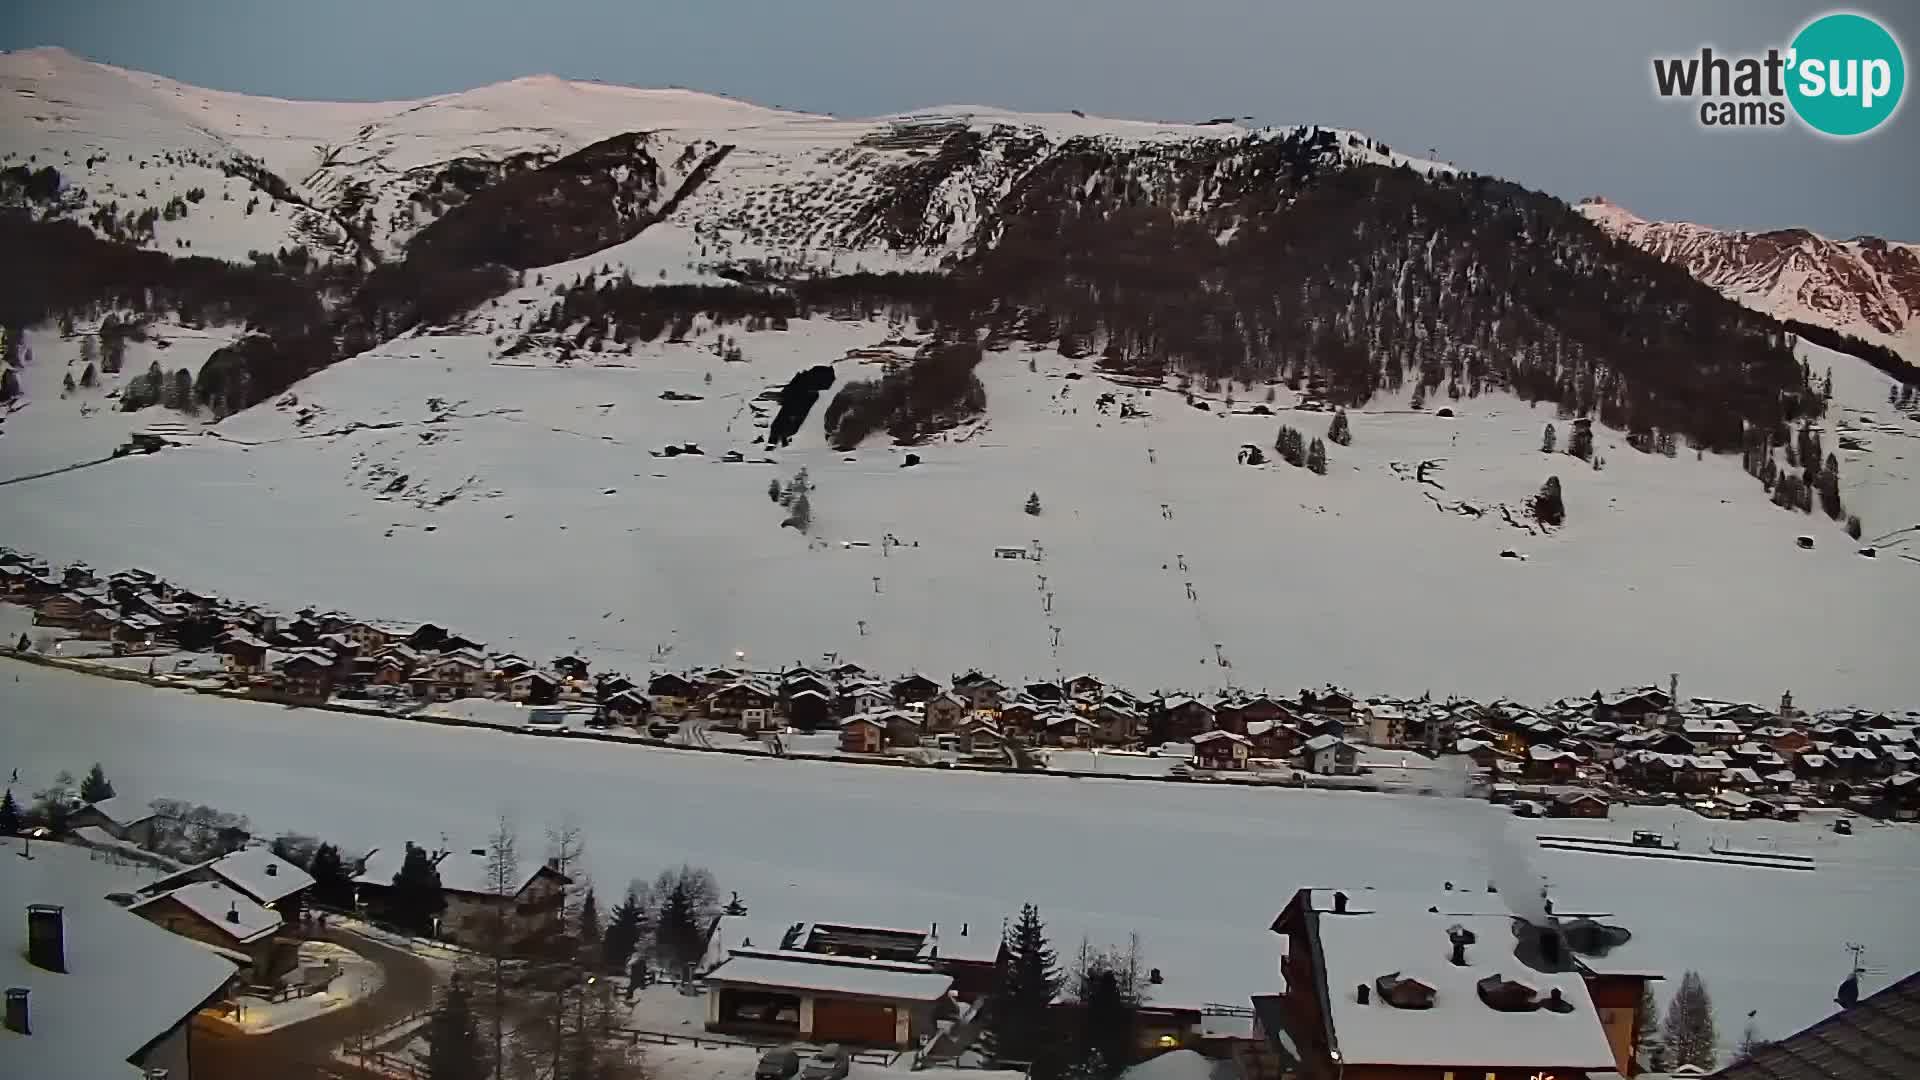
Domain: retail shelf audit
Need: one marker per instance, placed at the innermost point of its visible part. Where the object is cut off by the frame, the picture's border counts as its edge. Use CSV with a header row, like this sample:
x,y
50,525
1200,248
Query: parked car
x,y
830,1063
777,1064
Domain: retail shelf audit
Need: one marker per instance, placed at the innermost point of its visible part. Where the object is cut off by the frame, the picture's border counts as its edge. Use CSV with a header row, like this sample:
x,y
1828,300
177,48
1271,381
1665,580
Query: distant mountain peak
x,y
1867,286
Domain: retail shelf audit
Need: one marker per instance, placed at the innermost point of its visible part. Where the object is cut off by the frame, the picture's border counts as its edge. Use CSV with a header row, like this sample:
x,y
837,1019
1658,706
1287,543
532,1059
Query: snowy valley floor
x,y
1199,873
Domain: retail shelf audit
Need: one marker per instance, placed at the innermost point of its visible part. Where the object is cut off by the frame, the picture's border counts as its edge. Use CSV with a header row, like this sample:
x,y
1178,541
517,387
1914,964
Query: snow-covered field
x,y
1198,872
517,500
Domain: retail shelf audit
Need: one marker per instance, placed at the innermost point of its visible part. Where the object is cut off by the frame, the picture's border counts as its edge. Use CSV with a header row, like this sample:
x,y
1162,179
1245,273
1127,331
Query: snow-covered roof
x,y
1322,742
257,872
1217,735
832,975
127,982
460,871
1460,1028
122,810
227,909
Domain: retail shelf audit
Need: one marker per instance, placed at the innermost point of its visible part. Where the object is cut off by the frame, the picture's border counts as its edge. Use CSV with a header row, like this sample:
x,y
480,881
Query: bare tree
x,y
503,883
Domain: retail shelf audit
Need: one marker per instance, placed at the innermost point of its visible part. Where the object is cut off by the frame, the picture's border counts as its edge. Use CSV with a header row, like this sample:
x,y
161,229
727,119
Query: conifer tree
x,y
588,932
9,814
1853,526
622,935
454,1051
1647,1047
1033,504
773,490
1547,439
1547,506
1317,457
332,885
95,787
1339,432
415,899
1689,1035
1029,980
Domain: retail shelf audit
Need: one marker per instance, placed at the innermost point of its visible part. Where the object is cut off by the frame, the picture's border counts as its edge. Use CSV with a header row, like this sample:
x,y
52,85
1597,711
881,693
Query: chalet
x,y
903,728
1701,773
1869,1038
809,710
671,693
456,675
1330,701
92,989
1185,717
976,735
135,630
865,698
215,914
1674,743
1549,765
1220,749
64,610
1020,716
1116,726
1328,755
1710,731
819,998
255,872
1399,988
862,733
507,665
1900,796
846,670
525,909
534,688
1066,729
1579,804
1045,693
730,703
1271,739
1384,724
306,675
570,666
119,817
613,684
714,678
914,689
1855,763
1085,686
795,683
371,637
628,707
943,711
980,691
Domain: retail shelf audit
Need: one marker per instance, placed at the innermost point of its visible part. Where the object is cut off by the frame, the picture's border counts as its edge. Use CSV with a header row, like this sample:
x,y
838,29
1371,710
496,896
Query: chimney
x,y
1154,978
47,937
18,1021
1340,903
273,869
963,929
553,863
1459,957
478,851
1362,994
233,911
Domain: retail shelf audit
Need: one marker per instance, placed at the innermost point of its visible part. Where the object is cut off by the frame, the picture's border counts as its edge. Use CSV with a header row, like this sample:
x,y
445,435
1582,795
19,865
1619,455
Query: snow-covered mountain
x,y
804,189
527,294
1866,286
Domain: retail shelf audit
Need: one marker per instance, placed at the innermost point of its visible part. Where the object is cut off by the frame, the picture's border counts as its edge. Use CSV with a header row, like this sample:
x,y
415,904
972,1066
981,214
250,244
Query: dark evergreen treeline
x,y
1879,356
1261,260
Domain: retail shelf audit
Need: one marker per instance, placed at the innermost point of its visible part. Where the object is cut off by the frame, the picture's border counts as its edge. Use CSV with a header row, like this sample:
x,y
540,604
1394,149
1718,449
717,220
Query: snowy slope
x,y
1866,286
516,499
1199,872
795,188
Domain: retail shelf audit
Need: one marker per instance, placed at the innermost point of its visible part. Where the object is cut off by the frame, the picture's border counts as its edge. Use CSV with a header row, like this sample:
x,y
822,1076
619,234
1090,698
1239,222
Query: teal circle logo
x,y
1847,74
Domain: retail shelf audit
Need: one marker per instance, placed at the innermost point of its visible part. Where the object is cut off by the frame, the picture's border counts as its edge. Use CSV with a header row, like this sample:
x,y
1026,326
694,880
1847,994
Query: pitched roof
x,y
127,982
226,909
1361,949
809,971
259,873
1878,1039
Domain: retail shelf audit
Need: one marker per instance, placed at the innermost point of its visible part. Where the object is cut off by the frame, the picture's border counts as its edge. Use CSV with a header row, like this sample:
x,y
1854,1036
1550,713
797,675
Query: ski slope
x,y
517,499
1199,872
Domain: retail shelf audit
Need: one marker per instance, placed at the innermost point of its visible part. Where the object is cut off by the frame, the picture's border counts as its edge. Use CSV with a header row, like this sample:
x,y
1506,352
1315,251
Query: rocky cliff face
x,y
1867,287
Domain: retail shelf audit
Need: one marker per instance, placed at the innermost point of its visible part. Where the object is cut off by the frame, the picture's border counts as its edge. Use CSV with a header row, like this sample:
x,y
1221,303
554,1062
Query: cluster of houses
x,y
1576,755
1725,759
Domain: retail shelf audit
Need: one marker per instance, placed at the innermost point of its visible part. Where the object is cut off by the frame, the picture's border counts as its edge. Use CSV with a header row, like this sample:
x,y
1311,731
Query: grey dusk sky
x,y
1555,95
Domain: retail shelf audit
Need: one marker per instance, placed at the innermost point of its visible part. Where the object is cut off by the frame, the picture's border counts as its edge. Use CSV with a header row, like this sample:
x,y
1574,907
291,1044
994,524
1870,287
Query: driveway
x,y
305,1050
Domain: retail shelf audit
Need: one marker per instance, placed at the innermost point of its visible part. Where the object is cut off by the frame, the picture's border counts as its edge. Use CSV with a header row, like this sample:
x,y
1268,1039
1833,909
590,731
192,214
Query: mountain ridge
x,y
1866,286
